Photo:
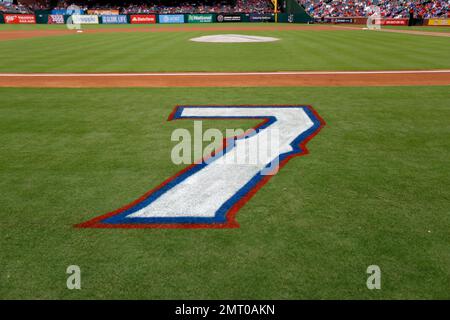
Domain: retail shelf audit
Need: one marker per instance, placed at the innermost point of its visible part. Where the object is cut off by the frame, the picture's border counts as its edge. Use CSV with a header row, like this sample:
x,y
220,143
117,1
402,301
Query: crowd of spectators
x,y
388,8
9,7
259,6
164,7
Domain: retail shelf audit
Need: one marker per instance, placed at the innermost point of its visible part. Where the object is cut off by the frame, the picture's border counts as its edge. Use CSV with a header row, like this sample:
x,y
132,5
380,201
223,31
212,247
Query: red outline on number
x,y
231,214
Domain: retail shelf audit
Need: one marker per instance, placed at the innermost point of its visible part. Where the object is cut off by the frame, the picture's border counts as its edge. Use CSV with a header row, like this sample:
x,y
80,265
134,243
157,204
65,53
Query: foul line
x,y
219,74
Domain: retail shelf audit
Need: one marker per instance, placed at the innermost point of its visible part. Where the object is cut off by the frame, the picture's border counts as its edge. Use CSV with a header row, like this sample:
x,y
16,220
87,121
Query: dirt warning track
x,y
228,79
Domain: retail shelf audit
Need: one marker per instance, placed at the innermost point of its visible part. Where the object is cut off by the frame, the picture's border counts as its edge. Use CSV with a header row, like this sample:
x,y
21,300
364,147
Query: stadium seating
x,y
389,8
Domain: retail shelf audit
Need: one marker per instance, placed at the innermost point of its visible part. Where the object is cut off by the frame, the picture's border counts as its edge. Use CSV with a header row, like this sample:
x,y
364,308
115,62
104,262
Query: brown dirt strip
x,y
282,79
21,34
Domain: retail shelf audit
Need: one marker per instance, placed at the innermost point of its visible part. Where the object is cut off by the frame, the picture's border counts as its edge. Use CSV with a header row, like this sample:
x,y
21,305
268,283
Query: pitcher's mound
x,y
233,38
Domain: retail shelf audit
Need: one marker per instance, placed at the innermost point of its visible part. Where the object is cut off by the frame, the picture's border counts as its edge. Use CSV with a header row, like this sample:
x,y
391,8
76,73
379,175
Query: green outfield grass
x,y
172,51
374,190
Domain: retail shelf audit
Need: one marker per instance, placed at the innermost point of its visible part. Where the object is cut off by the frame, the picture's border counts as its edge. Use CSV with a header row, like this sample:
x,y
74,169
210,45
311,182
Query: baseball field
x,y
84,131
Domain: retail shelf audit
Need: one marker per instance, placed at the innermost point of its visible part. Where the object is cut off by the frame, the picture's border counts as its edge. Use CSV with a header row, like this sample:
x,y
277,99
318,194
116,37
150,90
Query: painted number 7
x,y
208,194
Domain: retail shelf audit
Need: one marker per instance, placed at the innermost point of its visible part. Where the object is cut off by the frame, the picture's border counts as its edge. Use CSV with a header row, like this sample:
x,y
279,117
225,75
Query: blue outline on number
x,y
220,215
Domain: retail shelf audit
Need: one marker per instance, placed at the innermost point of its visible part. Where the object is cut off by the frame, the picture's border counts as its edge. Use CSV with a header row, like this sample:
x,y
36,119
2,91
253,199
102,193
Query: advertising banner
x,y
67,12
103,12
171,18
142,18
115,19
392,22
262,17
84,19
439,22
343,20
228,18
55,19
200,18
19,18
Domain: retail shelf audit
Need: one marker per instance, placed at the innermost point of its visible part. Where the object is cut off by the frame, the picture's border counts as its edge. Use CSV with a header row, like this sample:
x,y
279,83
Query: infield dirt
x,y
247,79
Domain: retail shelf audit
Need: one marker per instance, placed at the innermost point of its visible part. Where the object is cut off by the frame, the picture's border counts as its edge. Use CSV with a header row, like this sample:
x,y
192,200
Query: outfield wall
x,y
112,17
386,22
60,17
360,20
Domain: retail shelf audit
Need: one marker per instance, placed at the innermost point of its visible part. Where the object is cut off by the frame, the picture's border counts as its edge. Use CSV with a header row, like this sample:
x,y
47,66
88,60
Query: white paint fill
x,y
204,192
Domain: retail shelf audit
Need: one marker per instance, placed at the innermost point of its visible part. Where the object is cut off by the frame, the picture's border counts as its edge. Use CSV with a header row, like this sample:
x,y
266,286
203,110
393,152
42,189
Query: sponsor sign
x,y
142,18
439,22
228,18
263,17
67,12
200,18
103,12
343,20
171,18
392,22
115,19
84,19
55,19
19,18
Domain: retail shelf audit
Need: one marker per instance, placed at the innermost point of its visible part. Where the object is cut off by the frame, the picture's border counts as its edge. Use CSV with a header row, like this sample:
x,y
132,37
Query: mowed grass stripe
x,y
171,51
391,51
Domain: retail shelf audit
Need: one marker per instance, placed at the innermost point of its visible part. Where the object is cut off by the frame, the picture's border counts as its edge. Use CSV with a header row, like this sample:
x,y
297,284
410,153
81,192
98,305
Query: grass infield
x,y
172,51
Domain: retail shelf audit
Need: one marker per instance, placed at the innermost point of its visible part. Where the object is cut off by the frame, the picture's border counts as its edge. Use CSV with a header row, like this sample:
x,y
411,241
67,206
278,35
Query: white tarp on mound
x,y
233,38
